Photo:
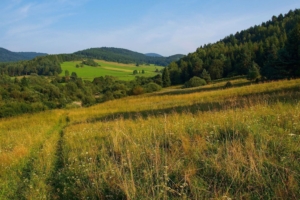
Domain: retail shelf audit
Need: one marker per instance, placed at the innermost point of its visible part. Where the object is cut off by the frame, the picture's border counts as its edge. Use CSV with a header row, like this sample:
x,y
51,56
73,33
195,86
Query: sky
x,y
166,27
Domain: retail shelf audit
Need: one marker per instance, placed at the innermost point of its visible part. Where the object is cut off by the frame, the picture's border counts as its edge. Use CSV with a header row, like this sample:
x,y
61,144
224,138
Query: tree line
x,y
43,65
125,56
271,48
9,56
37,93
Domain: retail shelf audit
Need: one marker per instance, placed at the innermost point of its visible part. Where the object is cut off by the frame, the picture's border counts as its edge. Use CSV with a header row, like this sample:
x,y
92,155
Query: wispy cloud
x,y
167,37
24,10
46,26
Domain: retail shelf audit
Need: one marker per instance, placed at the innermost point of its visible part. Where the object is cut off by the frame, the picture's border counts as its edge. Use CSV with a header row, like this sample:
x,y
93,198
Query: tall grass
x,y
239,153
202,143
27,147
238,143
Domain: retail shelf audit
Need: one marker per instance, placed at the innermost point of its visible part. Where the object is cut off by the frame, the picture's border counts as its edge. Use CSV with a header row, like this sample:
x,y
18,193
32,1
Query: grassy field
x,y
121,71
200,143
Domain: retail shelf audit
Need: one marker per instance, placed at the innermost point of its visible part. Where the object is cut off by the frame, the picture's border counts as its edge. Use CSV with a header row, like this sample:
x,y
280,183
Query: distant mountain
x,y
9,56
126,56
153,55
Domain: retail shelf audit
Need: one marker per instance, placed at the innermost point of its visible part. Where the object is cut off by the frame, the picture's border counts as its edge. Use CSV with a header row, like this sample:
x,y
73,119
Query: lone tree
x,y
73,76
194,82
67,75
166,77
206,76
253,72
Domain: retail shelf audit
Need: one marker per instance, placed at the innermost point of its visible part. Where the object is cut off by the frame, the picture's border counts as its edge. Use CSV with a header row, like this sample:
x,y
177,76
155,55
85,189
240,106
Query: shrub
x,y
108,96
88,100
194,82
119,94
137,90
152,87
90,62
228,85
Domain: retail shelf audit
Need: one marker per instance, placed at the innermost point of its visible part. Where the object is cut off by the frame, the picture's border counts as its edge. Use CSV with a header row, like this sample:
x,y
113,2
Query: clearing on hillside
x,y
119,70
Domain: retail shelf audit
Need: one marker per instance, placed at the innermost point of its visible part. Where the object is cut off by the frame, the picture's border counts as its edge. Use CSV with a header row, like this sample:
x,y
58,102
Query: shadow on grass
x,y
290,96
200,89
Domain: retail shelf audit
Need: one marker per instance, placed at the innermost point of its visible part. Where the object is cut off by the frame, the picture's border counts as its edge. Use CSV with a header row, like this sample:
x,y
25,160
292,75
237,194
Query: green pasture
x,y
119,70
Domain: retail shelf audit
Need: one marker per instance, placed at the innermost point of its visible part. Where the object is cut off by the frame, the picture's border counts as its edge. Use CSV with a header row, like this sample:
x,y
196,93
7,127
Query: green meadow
x,y
119,70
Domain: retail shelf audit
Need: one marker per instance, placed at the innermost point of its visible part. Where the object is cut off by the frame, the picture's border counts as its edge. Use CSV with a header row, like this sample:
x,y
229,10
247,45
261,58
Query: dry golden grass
x,y
25,151
201,143
201,155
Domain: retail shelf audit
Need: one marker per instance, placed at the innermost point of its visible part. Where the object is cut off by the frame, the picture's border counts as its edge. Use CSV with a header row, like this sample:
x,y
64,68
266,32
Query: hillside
x,y
271,48
70,129
9,56
125,56
202,143
118,70
153,55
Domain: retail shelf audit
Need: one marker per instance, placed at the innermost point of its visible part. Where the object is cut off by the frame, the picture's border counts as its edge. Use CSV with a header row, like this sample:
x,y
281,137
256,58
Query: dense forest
x,y
126,56
9,56
270,50
43,65
153,55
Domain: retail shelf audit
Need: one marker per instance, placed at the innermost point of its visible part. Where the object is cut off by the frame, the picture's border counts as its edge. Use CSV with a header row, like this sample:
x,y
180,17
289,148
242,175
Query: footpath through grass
x,y
209,142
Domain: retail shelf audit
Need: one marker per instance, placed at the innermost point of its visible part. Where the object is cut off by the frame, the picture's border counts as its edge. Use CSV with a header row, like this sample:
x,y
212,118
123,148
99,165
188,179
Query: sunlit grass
x,y
27,150
200,143
201,155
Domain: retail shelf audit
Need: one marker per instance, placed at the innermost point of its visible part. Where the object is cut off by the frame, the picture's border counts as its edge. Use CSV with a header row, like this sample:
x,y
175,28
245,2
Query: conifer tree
x,y
166,77
293,50
253,72
206,76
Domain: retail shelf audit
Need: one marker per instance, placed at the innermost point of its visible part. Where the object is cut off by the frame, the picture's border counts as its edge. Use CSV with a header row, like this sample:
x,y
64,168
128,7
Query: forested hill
x,y
126,56
9,56
272,49
153,55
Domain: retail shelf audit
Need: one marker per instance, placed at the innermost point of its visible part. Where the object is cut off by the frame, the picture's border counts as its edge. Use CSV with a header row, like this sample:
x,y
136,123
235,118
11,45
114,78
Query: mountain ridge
x,y
125,56
153,55
10,56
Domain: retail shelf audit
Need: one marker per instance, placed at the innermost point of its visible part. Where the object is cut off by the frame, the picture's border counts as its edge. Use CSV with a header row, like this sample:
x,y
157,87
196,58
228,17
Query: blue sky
x,y
166,27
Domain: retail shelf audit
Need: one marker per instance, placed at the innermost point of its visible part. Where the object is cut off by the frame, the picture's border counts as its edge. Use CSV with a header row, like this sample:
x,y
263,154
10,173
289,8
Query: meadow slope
x,y
208,142
118,70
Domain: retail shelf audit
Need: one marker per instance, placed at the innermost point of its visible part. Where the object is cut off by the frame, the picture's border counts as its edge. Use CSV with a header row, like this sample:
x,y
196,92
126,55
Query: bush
x,y
90,62
194,82
137,90
108,96
119,94
228,85
88,100
152,87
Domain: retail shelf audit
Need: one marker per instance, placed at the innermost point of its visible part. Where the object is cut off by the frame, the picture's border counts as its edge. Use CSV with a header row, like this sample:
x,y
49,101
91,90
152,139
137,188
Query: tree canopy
x,y
273,46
